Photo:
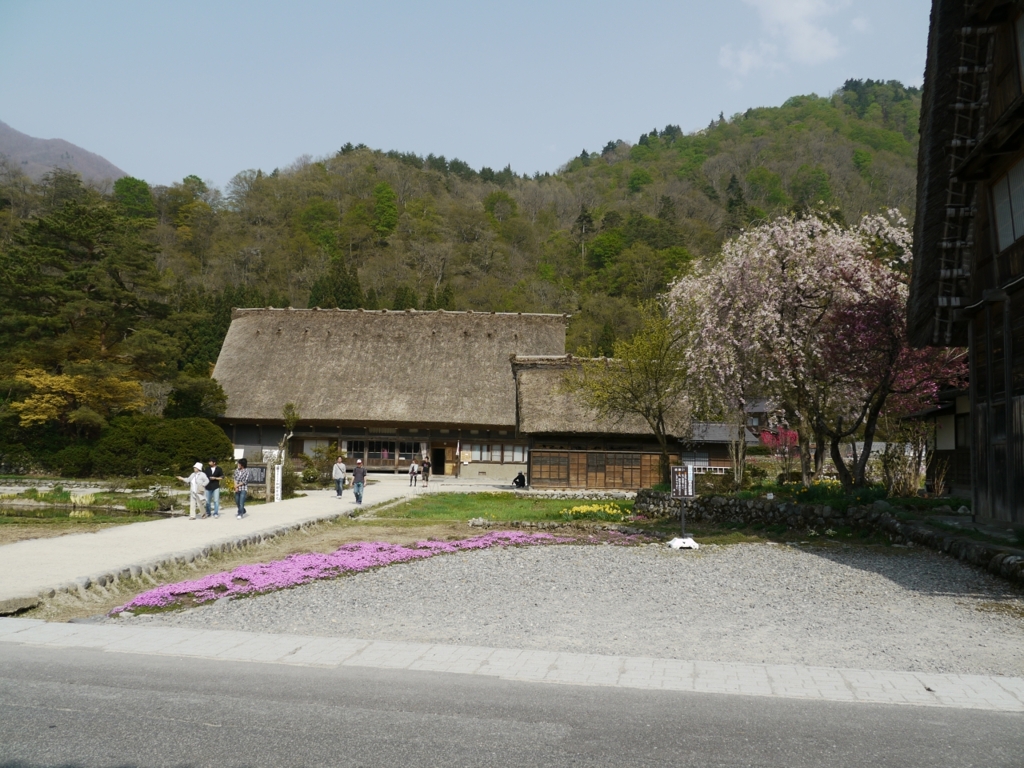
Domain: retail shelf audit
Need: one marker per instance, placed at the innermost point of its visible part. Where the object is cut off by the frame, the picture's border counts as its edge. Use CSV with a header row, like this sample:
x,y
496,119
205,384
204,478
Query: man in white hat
x,y
196,488
358,480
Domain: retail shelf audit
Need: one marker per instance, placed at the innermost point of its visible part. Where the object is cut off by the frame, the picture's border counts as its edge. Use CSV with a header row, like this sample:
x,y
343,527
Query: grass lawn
x,y
490,506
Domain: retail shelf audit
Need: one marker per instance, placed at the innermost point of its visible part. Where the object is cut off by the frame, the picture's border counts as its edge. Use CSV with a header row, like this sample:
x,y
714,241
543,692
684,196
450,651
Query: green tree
x,y
405,298
385,209
338,287
638,179
195,397
77,285
134,198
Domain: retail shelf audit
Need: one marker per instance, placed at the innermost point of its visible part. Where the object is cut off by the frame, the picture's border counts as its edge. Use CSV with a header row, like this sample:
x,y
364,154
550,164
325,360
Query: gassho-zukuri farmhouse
x,y
479,394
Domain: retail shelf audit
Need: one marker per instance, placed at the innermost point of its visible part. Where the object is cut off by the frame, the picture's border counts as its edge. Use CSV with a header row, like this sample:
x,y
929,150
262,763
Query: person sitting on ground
x,y
519,481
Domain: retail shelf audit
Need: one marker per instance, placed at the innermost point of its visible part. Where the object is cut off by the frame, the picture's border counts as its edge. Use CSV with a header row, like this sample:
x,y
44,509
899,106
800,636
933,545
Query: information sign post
x,y
683,487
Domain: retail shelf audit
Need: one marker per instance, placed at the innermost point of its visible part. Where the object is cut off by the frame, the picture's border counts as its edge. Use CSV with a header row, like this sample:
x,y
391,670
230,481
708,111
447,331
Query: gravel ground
x,y
762,603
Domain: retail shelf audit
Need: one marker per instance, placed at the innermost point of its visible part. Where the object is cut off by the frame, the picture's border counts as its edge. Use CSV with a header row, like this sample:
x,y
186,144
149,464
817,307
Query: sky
x,y
167,89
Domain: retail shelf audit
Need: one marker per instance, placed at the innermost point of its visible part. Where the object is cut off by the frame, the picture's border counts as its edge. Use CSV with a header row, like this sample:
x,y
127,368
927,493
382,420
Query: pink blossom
x,y
304,568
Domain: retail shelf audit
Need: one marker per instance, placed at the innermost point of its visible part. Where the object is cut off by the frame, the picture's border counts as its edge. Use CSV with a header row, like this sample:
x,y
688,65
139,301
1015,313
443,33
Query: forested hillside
x,y
139,284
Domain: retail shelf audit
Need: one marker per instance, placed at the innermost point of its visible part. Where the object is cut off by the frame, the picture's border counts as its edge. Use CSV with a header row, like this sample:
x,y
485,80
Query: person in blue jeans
x,y
215,474
241,477
358,480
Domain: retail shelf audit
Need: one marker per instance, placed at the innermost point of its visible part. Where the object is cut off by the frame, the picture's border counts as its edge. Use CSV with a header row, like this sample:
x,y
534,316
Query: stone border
x,y
1000,560
79,586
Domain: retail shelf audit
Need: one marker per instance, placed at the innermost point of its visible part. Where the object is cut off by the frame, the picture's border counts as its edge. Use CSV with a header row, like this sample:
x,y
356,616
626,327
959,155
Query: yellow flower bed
x,y
607,512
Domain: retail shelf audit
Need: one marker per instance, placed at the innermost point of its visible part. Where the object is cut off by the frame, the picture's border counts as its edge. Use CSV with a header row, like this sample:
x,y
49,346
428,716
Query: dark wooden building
x,y
969,232
571,447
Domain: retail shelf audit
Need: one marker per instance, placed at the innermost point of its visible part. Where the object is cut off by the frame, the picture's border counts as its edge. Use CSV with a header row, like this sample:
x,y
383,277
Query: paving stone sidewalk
x,y
987,692
35,567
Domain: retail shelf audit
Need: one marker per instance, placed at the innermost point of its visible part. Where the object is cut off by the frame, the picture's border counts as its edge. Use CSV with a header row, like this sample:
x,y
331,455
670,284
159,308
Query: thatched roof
x,y
417,368
545,407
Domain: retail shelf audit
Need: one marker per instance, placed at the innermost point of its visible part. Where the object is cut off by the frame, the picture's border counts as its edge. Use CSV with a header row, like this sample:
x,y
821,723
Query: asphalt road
x,y
80,707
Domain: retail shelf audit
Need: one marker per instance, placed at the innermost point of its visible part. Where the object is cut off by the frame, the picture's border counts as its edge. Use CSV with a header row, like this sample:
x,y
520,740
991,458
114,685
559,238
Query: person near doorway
x,y
241,478
358,480
425,471
338,473
196,485
414,473
519,481
215,474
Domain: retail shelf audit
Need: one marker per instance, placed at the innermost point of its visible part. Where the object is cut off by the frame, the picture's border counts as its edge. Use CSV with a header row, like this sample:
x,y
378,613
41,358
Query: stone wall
x,y
880,516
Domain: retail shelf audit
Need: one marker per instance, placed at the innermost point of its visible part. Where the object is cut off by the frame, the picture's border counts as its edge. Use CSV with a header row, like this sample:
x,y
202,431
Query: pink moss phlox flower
x,y
302,569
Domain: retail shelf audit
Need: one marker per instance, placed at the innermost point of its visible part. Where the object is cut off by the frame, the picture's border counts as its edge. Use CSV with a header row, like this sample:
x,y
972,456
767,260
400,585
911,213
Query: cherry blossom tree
x,y
810,314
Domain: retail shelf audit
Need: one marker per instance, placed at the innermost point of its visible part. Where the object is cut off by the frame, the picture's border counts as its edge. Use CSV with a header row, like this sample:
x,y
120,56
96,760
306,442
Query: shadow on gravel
x,y
922,570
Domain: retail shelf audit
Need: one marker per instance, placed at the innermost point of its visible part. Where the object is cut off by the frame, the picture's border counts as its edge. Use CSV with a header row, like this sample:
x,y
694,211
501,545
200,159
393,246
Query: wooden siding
x,y
593,469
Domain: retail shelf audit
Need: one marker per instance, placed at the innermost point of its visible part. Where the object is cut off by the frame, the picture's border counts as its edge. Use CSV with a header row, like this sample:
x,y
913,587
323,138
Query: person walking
x,y
338,472
425,471
241,478
197,482
214,473
414,473
358,480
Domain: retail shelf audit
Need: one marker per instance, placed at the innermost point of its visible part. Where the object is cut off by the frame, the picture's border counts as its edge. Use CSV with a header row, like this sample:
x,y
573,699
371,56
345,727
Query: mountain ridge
x,y
34,157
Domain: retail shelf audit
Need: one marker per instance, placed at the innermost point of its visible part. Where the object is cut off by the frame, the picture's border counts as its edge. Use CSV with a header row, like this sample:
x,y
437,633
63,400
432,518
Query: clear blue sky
x,y
166,89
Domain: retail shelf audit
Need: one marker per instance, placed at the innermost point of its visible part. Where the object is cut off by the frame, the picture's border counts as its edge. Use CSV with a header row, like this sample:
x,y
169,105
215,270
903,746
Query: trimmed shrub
x,y
149,445
74,461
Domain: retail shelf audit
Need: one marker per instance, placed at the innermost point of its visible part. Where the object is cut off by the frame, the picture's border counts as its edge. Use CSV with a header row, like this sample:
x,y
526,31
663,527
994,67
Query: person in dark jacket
x,y
215,474
519,481
358,480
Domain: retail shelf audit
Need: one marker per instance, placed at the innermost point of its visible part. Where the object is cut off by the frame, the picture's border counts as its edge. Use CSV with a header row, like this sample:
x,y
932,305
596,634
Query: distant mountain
x,y
37,156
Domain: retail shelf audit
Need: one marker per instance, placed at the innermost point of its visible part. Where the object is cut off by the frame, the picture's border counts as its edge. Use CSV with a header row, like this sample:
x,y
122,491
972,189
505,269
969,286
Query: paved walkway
x,y
1001,694
33,567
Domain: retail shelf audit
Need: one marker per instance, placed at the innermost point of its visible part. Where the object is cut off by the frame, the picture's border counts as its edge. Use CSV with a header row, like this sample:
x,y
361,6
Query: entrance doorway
x,y
437,461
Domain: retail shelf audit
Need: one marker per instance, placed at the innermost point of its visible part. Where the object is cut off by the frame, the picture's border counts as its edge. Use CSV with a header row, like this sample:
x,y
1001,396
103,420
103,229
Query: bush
x,y
289,484
147,445
74,461
758,450
310,475
709,484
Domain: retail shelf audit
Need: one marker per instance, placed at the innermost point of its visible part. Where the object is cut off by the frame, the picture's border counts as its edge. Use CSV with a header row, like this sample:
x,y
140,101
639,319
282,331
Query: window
x,y
381,449
408,451
308,446
515,454
963,430
698,458
1008,205
496,452
355,448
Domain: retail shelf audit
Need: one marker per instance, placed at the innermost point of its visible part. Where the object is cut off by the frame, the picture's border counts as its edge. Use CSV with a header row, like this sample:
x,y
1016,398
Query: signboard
x,y
683,485
257,474
466,456
278,474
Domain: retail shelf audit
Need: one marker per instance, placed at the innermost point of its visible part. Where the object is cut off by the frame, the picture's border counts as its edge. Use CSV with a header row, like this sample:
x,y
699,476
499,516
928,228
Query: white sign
x,y
278,474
